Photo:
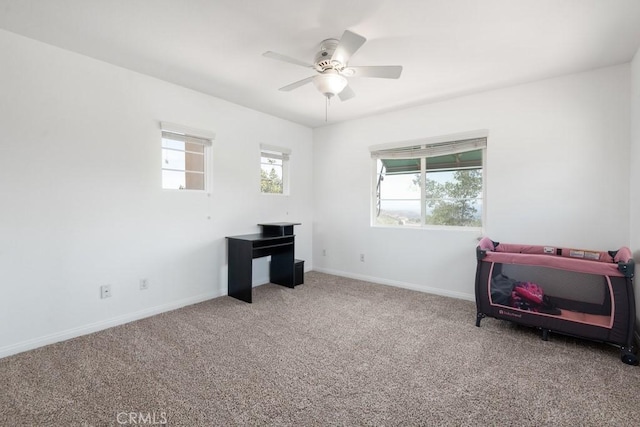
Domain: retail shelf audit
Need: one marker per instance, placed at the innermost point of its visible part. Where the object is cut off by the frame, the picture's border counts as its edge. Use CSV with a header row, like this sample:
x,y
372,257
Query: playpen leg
x,y
628,356
545,334
479,317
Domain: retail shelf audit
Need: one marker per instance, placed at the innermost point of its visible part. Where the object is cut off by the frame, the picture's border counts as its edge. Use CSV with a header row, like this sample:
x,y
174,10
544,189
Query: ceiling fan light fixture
x,y
330,83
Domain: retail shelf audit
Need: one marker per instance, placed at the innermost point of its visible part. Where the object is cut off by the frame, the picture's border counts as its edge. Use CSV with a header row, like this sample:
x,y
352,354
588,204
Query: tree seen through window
x,y
271,176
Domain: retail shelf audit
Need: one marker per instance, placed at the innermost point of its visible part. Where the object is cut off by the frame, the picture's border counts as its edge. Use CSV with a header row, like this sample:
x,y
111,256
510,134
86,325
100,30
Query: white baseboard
x,y
101,325
397,284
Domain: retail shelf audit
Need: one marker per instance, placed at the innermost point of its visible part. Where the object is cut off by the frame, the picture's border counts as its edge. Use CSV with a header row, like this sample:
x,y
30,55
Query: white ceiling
x,y
447,47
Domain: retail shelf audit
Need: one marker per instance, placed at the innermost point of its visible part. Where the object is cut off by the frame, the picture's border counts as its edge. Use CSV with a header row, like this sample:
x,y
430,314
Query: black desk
x,y
243,249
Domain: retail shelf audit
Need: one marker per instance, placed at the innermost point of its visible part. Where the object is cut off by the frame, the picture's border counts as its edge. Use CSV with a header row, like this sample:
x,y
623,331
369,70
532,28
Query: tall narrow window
x,y
430,184
274,169
184,157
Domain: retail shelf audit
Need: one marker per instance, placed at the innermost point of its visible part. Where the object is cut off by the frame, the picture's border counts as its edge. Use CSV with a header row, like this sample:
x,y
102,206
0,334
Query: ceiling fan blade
x,y
348,45
285,58
381,71
346,93
297,84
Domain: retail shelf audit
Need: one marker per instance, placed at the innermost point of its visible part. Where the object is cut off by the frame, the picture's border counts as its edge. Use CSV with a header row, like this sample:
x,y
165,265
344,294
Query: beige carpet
x,y
333,351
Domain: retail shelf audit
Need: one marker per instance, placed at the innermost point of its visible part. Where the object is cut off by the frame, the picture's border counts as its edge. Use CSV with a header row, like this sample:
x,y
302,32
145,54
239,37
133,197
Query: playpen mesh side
x,y
580,297
587,301
561,284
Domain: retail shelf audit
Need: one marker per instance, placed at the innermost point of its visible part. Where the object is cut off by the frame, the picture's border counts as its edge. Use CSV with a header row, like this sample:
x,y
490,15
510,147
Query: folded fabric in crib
x,y
530,292
529,296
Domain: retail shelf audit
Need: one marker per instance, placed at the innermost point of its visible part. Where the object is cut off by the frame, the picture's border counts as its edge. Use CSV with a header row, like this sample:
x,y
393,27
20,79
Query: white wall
x,y
634,194
557,174
81,199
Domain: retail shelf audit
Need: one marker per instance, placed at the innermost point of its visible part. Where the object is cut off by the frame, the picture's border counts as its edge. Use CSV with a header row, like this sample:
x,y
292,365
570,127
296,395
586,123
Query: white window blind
x,y
189,139
430,150
186,134
273,152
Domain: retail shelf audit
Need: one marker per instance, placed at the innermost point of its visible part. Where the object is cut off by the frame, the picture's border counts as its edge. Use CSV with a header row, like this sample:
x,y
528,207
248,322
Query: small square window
x,y
274,170
183,161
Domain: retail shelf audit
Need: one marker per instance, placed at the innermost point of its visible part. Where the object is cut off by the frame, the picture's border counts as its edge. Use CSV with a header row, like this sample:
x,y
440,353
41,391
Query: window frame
x,y
283,154
187,135
423,150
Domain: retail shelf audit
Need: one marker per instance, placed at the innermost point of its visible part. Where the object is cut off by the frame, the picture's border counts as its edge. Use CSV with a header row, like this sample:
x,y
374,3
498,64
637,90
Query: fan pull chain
x,y
326,109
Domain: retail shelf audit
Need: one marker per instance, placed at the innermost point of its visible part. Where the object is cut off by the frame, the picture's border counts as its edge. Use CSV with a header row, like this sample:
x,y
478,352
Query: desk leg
x,y
282,268
240,270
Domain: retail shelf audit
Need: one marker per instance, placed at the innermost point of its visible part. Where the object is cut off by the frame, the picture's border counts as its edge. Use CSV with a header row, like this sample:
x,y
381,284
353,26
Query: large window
x,y
274,169
430,184
184,158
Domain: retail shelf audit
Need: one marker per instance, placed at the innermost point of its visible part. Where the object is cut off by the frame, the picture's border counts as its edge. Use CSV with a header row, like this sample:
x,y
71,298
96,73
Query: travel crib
x,y
583,293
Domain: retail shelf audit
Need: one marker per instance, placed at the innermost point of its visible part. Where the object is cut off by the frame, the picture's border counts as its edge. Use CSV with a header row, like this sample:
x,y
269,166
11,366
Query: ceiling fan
x,y
332,65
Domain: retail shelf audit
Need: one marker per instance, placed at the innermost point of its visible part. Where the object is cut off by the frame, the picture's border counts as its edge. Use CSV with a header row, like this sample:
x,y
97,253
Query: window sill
x,y
185,190
430,228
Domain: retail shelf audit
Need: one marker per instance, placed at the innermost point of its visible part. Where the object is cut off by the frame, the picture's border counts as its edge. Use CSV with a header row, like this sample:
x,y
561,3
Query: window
x,y
184,157
438,184
274,169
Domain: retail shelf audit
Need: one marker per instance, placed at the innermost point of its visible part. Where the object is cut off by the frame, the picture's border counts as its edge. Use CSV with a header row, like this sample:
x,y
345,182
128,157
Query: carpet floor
x,y
333,351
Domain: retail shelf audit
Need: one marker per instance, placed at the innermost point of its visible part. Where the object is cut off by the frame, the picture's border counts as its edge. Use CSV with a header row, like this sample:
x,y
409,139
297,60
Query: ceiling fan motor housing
x,y
323,61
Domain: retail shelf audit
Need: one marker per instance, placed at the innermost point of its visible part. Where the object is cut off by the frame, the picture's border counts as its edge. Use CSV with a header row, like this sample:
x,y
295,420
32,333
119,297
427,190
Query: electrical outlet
x,y
361,257
105,291
144,284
